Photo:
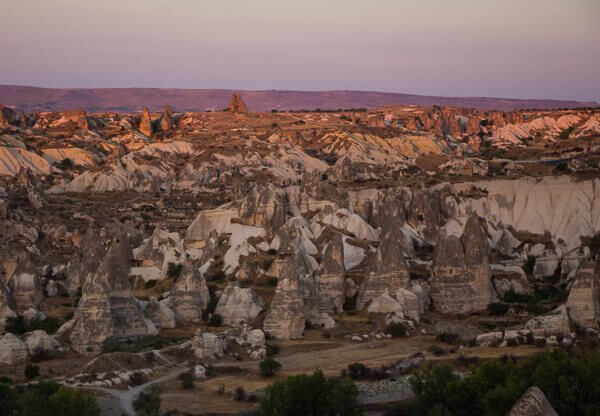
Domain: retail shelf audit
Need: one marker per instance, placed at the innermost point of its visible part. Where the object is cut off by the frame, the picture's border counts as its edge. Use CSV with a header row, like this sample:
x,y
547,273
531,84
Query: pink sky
x,y
509,48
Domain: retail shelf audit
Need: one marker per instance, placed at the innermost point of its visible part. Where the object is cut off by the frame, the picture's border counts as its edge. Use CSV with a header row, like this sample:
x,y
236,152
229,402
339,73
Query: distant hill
x,y
133,99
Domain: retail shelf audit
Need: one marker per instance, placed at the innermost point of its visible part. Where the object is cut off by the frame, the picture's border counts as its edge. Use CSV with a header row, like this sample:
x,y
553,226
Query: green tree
x,y
269,367
31,371
8,400
311,395
69,402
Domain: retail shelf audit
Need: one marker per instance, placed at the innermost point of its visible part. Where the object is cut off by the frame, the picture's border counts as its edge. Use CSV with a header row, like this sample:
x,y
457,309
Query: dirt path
x,y
125,398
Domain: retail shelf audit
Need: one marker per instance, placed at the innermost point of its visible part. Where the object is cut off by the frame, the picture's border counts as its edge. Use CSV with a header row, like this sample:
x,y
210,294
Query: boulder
x,y
410,304
207,346
583,303
238,305
556,322
12,350
532,403
489,338
40,344
385,304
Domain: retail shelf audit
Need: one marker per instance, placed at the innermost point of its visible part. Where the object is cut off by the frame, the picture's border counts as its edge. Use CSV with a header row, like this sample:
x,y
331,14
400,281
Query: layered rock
x,y
25,284
78,116
189,295
237,305
388,270
207,346
86,260
532,403
330,279
12,350
146,122
155,254
264,206
7,305
461,275
556,322
237,105
7,115
160,313
41,345
285,318
583,303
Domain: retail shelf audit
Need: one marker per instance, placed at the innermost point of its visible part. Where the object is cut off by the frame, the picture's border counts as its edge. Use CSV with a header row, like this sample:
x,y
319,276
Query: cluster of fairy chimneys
x,y
165,122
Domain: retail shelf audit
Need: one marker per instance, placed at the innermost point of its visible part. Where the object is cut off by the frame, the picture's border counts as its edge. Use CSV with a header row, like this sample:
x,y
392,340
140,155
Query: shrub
x,y
448,338
31,371
529,265
239,394
174,270
272,350
311,395
357,371
15,325
498,309
136,378
187,380
51,399
215,320
148,404
269,367
570,381
8,399
396,329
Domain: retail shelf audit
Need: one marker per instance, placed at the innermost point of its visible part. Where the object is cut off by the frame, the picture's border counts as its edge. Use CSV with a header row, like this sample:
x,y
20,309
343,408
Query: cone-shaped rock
x,y
146,122
237,105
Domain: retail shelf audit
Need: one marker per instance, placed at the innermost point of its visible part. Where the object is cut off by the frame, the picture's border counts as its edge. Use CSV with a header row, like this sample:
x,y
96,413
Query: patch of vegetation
x,y
148,404
136,378
17,325
174,270
529,265
396,329
448,337
498,309
187,380
215,320
570,381
564,135
269,367
311,395
358,371
66,163
46,398
239,394
272,350
31,371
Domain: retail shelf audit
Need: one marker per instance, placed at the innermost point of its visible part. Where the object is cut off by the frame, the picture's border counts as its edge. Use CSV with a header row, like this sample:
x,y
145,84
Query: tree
x,y
311,395
31,371
8,400
148,404
269,367
48,398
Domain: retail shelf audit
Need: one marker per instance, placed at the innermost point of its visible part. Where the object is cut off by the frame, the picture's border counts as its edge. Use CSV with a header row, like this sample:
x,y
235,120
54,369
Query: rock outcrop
x,y
160,313
556,322
41,345
146,122
237,105
285,318
583,303
189,296
166,119
7,115
237,305
532,403
461,274
86,260
207,346
12,350
330,278
388,270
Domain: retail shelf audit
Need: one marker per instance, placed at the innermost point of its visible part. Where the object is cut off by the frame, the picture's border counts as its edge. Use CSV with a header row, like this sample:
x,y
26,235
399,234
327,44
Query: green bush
x,y
448,338
187,380
31,371
396,329
15,325
8,400
570,381
357,371
498,309
51,399
311,395
269,367
215,320
239,394
148,404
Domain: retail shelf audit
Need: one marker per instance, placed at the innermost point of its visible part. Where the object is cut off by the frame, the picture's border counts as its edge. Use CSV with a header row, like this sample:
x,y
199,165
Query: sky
x,y
497,48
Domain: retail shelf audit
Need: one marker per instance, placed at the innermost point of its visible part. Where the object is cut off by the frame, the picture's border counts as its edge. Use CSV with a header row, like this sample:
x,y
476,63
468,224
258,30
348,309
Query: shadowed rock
x,y
189,296
237,305
285,318
461,276
583,303
532,403
388,271
330,279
